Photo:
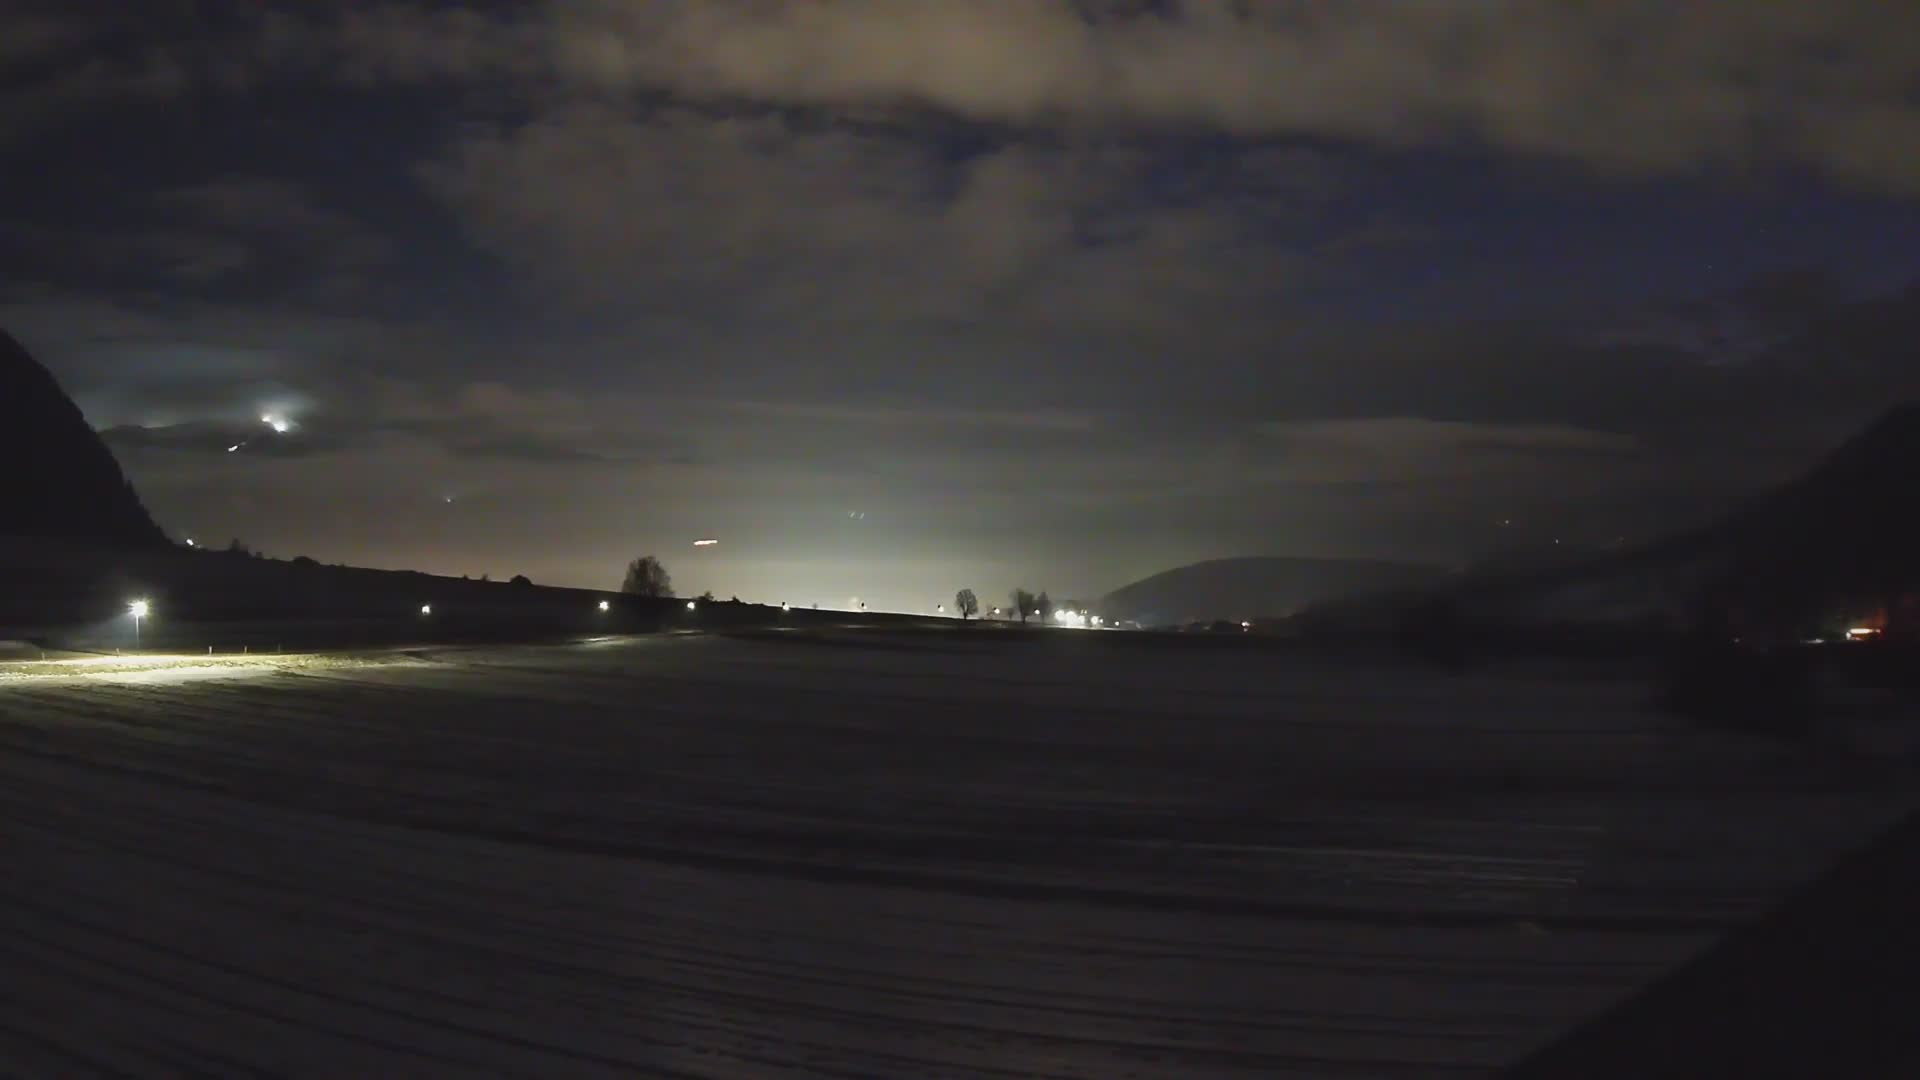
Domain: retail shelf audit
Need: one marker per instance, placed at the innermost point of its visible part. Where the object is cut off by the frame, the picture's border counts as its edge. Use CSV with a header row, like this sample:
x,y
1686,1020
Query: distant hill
x,y
1844,537
1258,586
60,480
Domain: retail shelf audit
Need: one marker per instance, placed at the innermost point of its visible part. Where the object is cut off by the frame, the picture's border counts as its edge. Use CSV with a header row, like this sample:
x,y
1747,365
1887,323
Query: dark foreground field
x,y
860,855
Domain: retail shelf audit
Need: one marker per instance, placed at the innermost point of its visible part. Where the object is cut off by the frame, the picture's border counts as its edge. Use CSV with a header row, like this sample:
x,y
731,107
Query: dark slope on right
x,y
1844,537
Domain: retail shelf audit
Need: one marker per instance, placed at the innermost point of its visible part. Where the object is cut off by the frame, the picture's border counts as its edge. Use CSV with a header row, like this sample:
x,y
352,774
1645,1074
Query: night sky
x,y
894,297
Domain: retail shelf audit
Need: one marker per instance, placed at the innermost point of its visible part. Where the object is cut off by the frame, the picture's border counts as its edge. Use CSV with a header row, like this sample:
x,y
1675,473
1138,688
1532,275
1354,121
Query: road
x,y
860,855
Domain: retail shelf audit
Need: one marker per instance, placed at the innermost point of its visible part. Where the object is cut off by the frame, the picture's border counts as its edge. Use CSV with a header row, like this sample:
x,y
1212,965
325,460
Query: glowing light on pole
x,y
138,609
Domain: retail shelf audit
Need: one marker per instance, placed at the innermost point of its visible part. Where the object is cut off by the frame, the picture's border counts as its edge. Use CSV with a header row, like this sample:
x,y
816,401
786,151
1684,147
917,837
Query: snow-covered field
x,y
864,856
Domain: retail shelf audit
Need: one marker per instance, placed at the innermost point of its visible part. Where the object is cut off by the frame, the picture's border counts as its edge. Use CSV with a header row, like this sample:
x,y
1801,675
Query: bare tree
x,y
647,576
967,604
1022,604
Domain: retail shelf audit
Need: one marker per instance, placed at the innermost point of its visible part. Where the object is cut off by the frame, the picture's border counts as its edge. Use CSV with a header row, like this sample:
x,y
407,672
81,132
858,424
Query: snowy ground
x,y
889,856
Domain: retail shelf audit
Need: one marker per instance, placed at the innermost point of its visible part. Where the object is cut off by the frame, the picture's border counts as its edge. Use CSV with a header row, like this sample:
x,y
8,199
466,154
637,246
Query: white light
x,y
278,424
604,605
426,609
783,606
689,605
940,607
138,609
1246,626
190,542
1859,632
706,542
232,448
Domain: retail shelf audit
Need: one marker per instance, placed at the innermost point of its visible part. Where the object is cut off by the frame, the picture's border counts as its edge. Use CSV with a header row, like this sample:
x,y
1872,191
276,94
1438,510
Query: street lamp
x,y
689,605
605,606
138,609
426,609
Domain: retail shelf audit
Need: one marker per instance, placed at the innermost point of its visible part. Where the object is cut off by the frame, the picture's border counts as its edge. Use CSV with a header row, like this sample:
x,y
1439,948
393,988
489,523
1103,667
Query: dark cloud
x,y
1646,89
1669,88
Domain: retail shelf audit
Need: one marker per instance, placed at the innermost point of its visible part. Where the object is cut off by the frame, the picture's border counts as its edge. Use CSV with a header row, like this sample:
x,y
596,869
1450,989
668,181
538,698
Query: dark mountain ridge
x,y
61,481
1257,586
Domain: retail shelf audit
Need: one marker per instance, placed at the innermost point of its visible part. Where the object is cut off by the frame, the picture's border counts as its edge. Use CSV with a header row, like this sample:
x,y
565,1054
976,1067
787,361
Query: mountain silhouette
x,y
1842,537
61,481
1257,586
1848,529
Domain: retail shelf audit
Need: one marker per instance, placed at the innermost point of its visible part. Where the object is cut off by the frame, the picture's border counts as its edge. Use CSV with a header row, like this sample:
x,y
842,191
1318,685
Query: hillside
x,y
61,482
1258,586
1844,538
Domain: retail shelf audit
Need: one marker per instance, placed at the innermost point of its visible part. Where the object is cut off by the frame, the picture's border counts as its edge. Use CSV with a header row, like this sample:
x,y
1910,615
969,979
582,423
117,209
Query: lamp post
x,y
138,609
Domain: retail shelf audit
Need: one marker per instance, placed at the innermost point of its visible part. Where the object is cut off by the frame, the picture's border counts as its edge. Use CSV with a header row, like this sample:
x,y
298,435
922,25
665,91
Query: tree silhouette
x,y
967,604
1043,607
647,576
521,579
1023,604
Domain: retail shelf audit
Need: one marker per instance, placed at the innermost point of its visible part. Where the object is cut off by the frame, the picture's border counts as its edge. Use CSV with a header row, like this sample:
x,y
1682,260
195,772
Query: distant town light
x,y
689,605
232,448
190,542
605,605
1860,632
426,609
706,541
1244,625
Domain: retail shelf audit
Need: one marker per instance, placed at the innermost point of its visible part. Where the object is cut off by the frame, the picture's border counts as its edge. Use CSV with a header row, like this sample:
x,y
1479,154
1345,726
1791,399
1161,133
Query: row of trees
x,y
1025,604
647,576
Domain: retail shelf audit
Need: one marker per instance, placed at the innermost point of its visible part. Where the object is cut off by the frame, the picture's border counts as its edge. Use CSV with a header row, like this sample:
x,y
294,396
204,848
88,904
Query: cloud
x,y
767,220
258,225
478,422
920,417
1679,88
1635,88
